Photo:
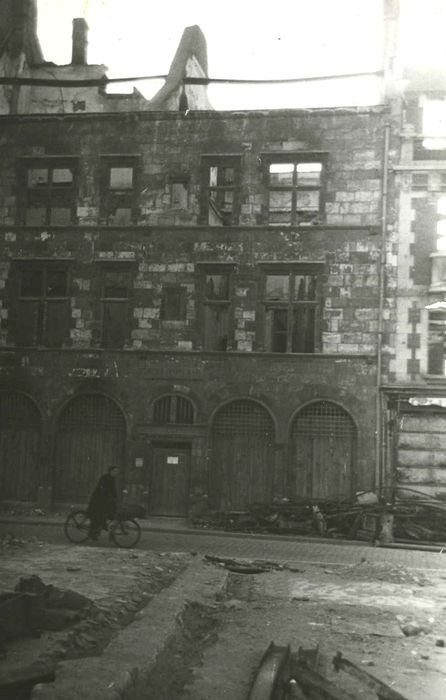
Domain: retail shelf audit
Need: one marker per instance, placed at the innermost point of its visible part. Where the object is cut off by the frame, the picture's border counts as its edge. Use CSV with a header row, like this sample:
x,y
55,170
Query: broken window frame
x,y
51,194
218,307
51,329
290,308
120,301
114,198
297,216
214,193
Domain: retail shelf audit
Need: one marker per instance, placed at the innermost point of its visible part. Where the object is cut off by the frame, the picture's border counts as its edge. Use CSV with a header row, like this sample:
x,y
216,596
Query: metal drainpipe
x,y
381,277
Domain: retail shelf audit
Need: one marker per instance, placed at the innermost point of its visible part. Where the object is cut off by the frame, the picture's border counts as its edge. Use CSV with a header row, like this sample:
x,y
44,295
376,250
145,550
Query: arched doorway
x,y
20,434
90,436
242,455
323,438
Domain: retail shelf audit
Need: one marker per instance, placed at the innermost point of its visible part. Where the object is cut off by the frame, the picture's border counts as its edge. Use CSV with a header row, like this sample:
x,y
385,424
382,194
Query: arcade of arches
x,y
91,434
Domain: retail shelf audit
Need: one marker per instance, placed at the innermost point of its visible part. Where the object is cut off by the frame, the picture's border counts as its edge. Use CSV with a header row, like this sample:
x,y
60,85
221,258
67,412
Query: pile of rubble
x,y
382,518
9,541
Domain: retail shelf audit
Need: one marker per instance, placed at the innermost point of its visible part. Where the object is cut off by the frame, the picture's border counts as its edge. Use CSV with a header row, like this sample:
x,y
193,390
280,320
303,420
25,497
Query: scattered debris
x,y
384,517
249,569
301,676
18,684
381,571
10,541
381,689
412,628
250,566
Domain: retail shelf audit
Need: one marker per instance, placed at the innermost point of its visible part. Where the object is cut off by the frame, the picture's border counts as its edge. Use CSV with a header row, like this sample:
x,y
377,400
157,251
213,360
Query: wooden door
x,y
20,432
169,480
90,438
242,456
323,439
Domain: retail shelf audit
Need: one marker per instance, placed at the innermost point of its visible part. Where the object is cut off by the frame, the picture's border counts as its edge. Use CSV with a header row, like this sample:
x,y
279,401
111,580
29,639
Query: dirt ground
x,y
388,620
116,583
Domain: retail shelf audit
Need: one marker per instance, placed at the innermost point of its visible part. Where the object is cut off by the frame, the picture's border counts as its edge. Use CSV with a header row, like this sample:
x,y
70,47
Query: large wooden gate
x,y
20,431
90,437
241,467
323,438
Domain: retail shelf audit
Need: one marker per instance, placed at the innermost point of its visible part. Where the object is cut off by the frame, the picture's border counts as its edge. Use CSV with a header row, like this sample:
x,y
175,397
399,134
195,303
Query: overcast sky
x,y
249,39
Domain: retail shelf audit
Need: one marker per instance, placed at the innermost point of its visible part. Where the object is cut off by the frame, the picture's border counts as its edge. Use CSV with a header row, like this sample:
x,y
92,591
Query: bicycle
x,y
123,531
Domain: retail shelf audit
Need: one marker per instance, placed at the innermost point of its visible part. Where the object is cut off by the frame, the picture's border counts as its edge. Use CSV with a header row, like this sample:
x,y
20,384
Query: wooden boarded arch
x,y
241,469
323,439
20,438
90,437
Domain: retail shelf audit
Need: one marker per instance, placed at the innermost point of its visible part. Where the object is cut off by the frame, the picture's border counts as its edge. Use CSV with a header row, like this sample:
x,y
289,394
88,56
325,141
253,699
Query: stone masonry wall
x,y
349,273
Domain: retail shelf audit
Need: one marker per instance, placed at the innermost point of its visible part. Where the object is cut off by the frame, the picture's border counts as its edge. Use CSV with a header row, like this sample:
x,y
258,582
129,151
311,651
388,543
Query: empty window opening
x,y
121,178
220,195
119,190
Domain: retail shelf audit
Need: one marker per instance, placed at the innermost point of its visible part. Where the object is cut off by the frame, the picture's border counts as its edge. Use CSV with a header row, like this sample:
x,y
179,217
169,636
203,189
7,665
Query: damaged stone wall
x,y
166,245
171,145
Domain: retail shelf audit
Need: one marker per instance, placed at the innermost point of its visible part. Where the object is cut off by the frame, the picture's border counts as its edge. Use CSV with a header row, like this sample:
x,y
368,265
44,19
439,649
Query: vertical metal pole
x,y
381,282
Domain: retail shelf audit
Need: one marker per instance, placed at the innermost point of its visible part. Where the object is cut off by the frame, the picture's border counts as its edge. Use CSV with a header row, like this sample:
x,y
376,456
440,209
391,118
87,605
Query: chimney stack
x,y
80,42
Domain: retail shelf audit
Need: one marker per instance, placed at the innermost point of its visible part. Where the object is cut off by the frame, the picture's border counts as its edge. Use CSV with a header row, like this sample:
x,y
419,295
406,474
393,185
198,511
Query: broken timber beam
x,y
383,691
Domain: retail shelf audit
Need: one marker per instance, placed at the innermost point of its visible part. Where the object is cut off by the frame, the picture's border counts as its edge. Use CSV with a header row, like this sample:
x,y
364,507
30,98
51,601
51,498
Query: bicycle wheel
x,y
77,526
125,533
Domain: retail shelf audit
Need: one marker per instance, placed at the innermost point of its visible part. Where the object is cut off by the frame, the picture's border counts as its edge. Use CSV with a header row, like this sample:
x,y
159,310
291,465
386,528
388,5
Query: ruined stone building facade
x,y
231,306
